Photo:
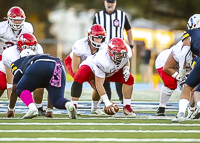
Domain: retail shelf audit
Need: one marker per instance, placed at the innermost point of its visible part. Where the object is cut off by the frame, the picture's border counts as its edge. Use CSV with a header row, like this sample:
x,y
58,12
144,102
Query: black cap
x,y
110,1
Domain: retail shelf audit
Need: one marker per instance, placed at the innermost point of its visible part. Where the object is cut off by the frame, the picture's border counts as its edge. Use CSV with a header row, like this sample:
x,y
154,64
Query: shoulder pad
x,y
28,26
185,36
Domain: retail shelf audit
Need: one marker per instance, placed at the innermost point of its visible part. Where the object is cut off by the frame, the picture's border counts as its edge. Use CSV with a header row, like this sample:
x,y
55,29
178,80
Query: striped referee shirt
x,y
113,23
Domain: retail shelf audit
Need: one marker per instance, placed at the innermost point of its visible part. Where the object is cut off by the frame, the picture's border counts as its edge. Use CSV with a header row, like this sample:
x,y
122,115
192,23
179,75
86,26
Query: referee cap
x,y
110,1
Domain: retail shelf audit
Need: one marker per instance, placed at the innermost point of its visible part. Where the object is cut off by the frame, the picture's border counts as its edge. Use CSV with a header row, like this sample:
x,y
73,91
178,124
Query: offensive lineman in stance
x,y
40,71
166,65
111,64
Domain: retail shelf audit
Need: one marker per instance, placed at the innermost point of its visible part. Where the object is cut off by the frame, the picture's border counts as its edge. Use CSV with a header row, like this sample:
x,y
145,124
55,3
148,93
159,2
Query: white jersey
x,y
82,49
12,54
176,50
102,65
8,38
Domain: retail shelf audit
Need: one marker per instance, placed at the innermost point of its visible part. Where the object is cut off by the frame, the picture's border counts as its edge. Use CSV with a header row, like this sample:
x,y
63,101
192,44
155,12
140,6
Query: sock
x,y
183,103
95,104
198,104
38,105
75,102
165,94
26,97
127,102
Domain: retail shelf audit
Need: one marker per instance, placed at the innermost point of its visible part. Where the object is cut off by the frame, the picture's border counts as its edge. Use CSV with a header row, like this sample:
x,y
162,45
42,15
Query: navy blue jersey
x,y
19,66
195,40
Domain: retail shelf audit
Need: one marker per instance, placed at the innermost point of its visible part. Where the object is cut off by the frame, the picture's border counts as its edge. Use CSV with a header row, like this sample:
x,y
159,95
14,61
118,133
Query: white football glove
x,y
126,73
181,82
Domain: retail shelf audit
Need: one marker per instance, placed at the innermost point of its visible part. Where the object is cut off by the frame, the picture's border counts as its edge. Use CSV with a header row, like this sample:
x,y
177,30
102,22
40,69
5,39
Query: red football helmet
x,y
26,41
16,13
97,31
117,50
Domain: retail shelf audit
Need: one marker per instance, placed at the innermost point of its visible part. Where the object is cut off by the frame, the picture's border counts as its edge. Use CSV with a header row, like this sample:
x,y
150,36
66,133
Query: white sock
x,y
165,94
183,104
75,102
198,103
126,102
38,105
95,104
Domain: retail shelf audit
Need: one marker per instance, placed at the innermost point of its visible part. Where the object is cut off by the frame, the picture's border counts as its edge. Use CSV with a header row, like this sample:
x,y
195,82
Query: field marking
x,y
99,131
100,124
101,139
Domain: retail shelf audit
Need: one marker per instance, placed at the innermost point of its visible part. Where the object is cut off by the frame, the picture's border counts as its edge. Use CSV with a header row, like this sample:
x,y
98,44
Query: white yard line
x,y
100,139
101,124
99,131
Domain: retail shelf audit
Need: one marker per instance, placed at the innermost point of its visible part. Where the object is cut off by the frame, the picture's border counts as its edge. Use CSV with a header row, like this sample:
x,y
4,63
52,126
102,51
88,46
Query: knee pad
x,y
76,89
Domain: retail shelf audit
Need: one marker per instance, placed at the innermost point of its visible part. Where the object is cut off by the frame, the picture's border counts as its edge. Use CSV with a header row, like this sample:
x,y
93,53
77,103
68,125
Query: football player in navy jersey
x,y
191,41
40,71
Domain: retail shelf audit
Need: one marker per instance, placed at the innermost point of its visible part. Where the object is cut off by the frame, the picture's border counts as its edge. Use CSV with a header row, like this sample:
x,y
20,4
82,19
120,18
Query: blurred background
x,y
156,25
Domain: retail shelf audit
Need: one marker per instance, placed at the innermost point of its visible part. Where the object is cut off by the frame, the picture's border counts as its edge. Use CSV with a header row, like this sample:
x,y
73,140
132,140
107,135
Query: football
x,y
116,108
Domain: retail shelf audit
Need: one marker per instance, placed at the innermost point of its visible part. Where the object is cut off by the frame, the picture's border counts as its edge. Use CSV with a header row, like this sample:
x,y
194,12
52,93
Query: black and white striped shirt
x,y
113,23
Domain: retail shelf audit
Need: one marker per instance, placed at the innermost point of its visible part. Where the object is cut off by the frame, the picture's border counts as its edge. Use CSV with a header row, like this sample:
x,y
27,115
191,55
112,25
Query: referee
x,y
114,21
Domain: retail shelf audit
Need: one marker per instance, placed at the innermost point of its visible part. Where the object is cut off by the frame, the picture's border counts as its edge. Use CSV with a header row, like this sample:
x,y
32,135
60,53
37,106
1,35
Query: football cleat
x,y
128,111
190,112
97,111
196,113
30,114
41,111
71,110
78,113
160,111
180,117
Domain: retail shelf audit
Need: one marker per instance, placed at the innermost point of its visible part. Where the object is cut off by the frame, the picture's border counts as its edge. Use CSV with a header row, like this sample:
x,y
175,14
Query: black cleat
x,y
41,111
160,111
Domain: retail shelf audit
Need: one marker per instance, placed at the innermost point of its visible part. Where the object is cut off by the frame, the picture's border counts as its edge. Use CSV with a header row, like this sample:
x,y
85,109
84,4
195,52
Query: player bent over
x,y
191,42
40,71
111,64
24,41
167,67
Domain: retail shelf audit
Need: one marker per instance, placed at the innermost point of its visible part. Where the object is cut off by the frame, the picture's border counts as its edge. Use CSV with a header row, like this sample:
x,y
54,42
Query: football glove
x,y
126,73
181,82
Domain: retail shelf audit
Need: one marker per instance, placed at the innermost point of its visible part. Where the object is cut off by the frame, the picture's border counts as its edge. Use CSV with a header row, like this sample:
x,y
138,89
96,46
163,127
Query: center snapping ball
x,y
116,108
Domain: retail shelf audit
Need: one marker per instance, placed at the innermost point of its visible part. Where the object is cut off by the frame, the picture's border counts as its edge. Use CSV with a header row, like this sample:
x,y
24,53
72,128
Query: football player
x,y
9,32
111,64
80,51
40,71
167,67
191,41
24,41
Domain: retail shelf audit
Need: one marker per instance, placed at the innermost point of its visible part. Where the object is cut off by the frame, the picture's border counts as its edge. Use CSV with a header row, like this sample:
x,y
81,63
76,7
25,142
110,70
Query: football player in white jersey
x,y
167,66
9,31
80,51
111,64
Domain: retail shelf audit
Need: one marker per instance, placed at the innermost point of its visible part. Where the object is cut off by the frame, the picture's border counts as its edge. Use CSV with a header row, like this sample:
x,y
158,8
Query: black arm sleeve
x,y
17,77
127,25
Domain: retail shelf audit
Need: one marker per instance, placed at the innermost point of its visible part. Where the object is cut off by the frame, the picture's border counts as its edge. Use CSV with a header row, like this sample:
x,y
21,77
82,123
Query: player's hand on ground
x,y
111,109
10,114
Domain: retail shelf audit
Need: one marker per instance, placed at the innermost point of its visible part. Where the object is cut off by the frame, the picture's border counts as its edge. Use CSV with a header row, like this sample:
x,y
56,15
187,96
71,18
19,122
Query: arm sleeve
x,y
17,77
127,25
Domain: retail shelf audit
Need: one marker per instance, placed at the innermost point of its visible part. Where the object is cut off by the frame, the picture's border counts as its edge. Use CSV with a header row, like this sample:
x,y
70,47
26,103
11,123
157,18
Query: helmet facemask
x,y
118,56
96,44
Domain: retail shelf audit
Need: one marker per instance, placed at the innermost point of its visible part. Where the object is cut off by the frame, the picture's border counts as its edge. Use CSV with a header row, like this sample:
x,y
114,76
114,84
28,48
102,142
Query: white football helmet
x,y
26,52
194,22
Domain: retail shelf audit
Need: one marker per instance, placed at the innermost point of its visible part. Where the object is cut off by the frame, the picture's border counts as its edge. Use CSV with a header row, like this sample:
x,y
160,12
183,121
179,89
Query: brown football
x,y
111,113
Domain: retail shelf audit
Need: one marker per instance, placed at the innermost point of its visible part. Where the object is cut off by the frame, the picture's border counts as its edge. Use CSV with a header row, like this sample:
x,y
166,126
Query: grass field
x,y
146,127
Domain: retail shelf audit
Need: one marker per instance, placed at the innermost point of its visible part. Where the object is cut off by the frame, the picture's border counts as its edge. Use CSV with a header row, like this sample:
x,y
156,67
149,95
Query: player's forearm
x,y
130,37
13,97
